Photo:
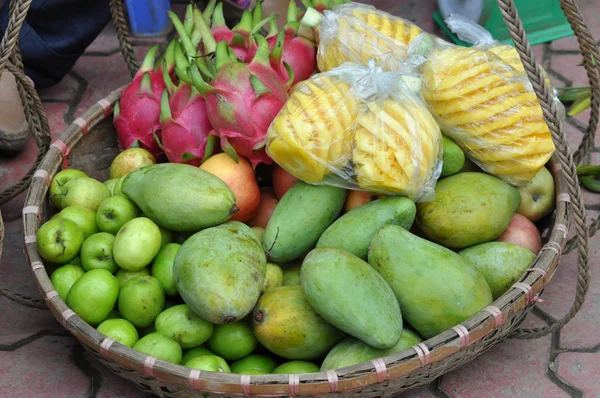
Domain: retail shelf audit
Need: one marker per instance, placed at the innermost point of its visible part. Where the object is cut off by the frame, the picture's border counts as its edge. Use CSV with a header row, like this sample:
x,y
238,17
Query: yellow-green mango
x,y
352,351
286,325
354,230
453,157
500,263
180,197
352,296
469,208
436,288
220,272
299,219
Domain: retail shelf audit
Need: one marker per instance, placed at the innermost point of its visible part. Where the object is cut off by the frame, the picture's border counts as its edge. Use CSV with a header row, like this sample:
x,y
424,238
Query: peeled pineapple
x,y
490,110
357,32
312,134
396,147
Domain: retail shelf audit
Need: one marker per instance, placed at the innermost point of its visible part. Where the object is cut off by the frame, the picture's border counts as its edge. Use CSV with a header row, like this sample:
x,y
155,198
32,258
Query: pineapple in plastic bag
x,y
359,128
357,32
489,109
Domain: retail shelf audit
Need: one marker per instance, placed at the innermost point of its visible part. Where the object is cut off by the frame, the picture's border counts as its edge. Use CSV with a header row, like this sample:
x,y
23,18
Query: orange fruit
x,y
240,178
268,201
282,181
357,198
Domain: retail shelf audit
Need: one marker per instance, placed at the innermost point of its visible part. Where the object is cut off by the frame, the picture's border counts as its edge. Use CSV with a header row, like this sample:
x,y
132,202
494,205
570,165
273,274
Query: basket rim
x,y
519,298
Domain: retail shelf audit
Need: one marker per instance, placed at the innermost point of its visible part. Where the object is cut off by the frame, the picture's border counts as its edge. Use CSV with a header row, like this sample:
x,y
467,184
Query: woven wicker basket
x,y
90,144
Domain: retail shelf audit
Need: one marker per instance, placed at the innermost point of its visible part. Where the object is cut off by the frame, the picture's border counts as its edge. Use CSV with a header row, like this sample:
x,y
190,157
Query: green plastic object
x,y
543,21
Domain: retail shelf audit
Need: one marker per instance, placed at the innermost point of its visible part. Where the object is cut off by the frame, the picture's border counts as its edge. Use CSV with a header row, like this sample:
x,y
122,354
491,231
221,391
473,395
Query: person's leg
x,y
54,35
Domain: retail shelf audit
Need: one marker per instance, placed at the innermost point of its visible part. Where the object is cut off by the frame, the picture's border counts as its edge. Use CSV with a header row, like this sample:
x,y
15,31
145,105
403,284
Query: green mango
x,y
192,353
436,288
182,325
159,346
299,219
291,275
254,364
352,351
469,208
220,272
180,197
352,296
500,263
453,157
296,367
354,230
286,325
273,277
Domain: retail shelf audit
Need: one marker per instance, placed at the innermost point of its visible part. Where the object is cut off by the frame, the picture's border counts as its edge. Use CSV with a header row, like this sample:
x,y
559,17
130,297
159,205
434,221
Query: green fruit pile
x,y
152,260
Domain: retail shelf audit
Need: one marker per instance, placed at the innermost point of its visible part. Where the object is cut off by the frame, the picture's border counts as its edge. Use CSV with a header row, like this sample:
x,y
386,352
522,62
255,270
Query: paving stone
x,y
513,368
565,44
65,90
581,370
421,392
566,65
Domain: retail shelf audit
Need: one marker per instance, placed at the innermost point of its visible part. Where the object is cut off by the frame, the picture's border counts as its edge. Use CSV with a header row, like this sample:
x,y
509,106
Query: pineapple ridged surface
x,y
490,110
312,134
357,32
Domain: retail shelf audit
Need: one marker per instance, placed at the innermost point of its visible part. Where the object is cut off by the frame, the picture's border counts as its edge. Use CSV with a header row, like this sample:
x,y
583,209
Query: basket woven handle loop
x,y
118,18
515,26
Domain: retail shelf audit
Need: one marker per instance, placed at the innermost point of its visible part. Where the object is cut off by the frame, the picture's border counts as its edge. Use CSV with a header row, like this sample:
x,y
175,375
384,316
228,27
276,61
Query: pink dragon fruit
x,y
137,114
242,101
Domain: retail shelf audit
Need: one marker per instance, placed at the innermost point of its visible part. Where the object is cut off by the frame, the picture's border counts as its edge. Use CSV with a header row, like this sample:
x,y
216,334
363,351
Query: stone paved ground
x,y
40,359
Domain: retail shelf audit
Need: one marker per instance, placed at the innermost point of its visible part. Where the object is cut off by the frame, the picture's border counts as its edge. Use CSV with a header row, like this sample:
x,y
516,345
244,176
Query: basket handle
x,y
515,26
125,43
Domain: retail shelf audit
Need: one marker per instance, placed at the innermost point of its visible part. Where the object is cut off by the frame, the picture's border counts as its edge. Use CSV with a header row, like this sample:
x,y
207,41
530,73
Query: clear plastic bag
x,y
486,106
359,128
356,32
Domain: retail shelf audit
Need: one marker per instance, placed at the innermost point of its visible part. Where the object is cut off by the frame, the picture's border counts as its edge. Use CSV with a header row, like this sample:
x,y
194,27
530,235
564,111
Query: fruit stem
x,y
165,109
148,63
205,33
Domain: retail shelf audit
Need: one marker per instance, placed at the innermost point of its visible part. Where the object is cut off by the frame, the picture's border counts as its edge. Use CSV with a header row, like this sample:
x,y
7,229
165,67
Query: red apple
x,y
358,198
267,204
282,181
521,231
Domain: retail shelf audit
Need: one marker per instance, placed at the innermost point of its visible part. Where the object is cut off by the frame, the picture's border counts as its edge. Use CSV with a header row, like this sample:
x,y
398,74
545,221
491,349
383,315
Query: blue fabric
x,y
55,34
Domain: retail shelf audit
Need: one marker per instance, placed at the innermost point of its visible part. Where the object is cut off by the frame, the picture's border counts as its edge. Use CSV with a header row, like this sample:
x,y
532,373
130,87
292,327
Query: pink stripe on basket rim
x,y
195,378
564,197
496,313
464,334
35,265
105,346
43,174
149,366
30,239
294,385
33,210
539,271
82,125
332,377
106,106
66,314
51,294
64,151
245,383
562,228
380,368
423,353
525,288
553,246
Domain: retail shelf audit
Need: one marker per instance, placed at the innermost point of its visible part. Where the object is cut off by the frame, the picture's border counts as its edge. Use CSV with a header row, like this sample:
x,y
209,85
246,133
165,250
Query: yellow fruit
x,y
312,134
490,111
356,33
396,148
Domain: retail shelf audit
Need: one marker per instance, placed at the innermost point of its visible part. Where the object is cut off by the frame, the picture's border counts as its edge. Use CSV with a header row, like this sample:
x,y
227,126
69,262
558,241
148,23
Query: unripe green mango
x,y
469,208
352,296
220,272
354,230
180,197
299,219
436,288
286,325
500,263
352,351
453,158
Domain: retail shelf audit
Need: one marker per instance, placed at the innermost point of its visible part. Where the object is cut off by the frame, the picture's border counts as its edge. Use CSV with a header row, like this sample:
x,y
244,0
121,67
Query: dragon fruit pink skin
x,y
242,101
137,114
185,126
